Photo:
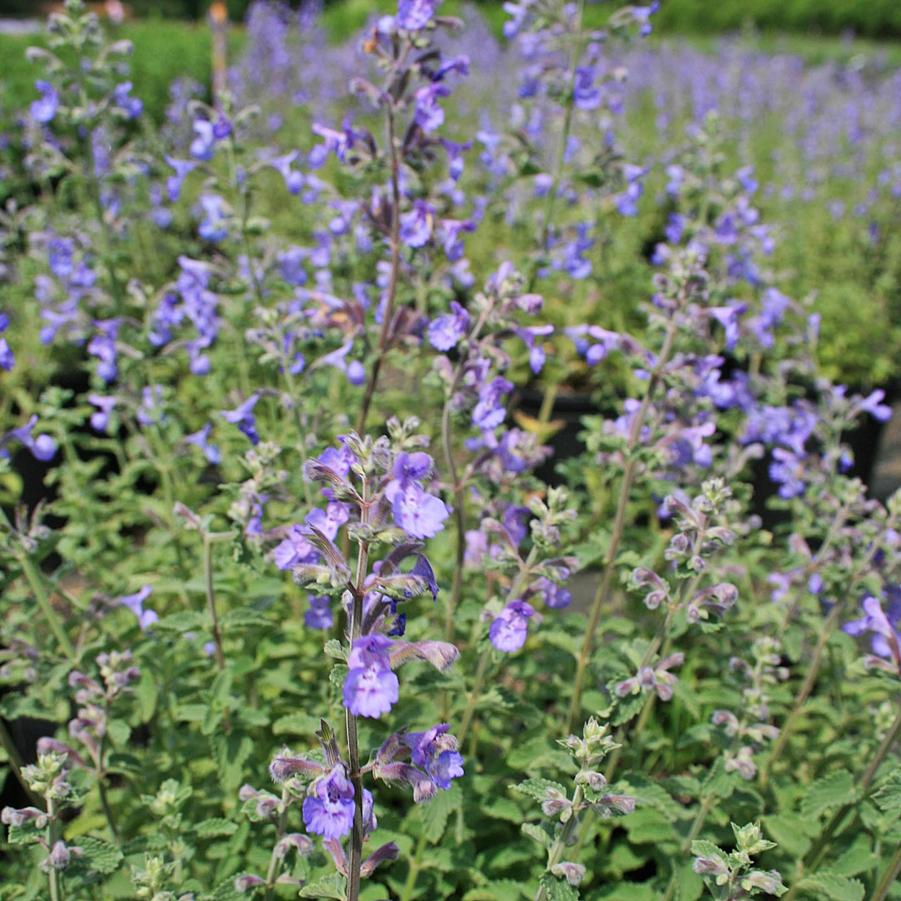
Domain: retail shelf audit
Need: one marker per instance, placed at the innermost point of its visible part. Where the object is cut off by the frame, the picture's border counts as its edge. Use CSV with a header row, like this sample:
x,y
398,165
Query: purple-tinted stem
x,y
818,851
388,311
358,590
888,877
211,599
629,471
456,488
810,680
52,835
274,858
558,849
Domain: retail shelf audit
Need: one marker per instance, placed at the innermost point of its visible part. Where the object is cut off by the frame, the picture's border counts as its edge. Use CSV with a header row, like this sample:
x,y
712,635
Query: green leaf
x,y
245,618
539,788
102,857
334,649
858,858
332,886
435,813
536,833
296,724
649,827
689,885
829,792
558,889
217,826
832,886
888,795
186,621
502,890
703,848
791,832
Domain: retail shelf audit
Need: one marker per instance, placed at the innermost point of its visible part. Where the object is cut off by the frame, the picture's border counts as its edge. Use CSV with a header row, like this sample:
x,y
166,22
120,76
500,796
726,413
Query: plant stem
x,y
817,852
888,877
648,656
388,311
410,883
459,514
14,759
474,696
515,587
355,861
696,826
101,789
803,693
619,522
554,189
211,599
562,841
33,578
274,858
52,872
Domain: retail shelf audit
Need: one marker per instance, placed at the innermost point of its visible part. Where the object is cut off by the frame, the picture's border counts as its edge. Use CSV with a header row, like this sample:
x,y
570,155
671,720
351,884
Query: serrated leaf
x,y
827,793
538,788
331,886
689,885
214,827
558,889
648,826
858,858
501,890
888,795
102,857
245,618
296,724
830,885
435,813
791,832
536,833
185,621
704,848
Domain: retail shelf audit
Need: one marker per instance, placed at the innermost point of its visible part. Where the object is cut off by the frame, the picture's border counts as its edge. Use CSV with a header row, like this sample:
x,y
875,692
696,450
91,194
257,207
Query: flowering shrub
x,y
300,608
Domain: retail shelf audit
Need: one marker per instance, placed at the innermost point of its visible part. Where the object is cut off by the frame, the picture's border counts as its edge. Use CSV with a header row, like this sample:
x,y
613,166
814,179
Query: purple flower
x,y
294,180
319,615
873,405
435,751
44,109
103,347
201,439
428,113
131,106
135,603
585,95
214,225
416,225
509,630
414,15
329,808
100,417
242,416
418,513
7,357
370,688
555,596
489,412
43,447
445,331
174,182
886,641
204,144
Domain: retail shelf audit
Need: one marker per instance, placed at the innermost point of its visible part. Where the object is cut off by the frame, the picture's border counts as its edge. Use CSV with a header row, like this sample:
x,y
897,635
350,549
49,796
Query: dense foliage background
x,y
420,483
